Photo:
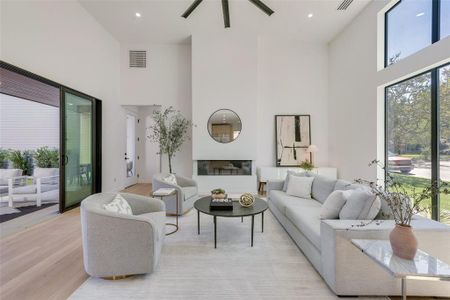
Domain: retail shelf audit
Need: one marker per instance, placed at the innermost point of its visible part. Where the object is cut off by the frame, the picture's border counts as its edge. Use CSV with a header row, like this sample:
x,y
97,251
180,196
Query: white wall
x,y
61,41
27,125
167,82
224,75
292,79
356,90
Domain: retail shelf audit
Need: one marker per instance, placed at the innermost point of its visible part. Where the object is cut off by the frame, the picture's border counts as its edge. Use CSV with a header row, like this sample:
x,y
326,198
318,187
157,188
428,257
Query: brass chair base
x,y
117,277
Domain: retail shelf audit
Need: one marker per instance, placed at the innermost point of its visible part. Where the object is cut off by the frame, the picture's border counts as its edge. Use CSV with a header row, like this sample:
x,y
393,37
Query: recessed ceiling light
x,y
420,14
138,15
310,15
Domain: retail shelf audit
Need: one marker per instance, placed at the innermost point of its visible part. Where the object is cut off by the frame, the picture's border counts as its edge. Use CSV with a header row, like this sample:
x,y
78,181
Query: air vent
x,y
138,59
344,5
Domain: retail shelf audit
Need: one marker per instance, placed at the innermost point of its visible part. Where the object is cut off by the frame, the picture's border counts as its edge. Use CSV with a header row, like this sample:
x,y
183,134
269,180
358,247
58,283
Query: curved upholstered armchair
x,y
117,244
186,188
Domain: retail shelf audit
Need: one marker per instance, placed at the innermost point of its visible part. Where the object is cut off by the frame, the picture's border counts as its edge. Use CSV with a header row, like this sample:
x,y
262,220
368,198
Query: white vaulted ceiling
x,y
161,20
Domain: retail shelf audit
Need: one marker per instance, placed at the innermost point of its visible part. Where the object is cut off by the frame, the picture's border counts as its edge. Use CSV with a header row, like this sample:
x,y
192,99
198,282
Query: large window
x,y
412,25
444,140
418,135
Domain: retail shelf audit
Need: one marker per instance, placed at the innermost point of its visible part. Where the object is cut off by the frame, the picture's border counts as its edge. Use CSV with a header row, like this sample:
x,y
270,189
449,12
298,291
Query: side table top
x,y
423,264
164,192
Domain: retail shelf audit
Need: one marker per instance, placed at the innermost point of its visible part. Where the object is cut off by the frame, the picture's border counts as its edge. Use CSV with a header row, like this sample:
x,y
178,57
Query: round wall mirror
x,y
224,126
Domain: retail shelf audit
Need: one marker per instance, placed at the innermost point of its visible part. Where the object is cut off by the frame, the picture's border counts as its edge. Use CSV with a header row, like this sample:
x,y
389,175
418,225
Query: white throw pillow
x,y
300,186
171,179
361,204
333,205
119,205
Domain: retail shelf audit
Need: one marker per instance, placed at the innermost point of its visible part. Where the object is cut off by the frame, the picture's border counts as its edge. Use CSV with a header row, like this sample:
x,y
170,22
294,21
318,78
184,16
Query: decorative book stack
x,y
221,204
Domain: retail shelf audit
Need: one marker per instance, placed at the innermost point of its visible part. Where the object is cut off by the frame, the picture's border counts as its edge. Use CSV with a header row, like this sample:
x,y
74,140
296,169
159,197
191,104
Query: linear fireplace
x,y
224,167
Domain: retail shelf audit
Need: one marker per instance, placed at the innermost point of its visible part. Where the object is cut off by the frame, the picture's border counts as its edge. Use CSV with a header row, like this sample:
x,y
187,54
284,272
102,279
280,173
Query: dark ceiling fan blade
x,y
226,13
262,6
191,8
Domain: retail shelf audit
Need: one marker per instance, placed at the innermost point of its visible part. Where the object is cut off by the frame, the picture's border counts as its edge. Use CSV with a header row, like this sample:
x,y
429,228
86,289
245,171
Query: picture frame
x,y
292,139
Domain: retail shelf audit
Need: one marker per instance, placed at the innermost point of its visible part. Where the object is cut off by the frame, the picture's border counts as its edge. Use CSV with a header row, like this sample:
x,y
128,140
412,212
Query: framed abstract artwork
x,y
293,137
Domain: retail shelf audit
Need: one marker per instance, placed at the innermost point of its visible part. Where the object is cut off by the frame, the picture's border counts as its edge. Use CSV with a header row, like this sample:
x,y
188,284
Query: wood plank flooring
x,y
46,260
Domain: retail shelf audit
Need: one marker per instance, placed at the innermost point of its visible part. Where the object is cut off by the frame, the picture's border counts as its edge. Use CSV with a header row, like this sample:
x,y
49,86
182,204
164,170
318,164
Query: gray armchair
x,y
187,192
116,244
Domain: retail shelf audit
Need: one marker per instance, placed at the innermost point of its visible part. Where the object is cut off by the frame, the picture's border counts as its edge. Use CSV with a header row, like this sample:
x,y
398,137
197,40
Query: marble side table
x,y
422,267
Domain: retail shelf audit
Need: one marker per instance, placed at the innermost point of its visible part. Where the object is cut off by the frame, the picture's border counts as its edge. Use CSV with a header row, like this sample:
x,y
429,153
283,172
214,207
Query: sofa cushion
x,y
189,191
300,186
5,174
307,220
361,204
45,172
344,185
118,205
280,200
171,179
158,220
32,189
322,187
333,205
293,173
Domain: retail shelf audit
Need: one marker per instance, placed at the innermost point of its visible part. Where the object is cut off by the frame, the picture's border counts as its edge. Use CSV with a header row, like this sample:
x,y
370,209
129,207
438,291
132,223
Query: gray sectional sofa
x,y
327,243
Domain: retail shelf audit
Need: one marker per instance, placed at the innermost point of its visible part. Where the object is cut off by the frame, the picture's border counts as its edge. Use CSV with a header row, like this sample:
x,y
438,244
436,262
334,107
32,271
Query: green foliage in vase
x,y
22,160
47,158
170,130
218,191
4,156
306,165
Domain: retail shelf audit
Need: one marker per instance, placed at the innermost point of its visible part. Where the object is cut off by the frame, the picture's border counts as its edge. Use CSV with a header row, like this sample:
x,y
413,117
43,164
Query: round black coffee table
x,y
202,205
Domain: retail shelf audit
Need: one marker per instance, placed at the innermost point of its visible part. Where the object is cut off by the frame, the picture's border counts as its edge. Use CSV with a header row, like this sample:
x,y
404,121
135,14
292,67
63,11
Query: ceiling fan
x,y
225,10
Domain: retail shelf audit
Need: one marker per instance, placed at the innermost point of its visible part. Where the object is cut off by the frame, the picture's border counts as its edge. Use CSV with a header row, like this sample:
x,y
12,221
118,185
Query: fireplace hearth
x,y
224,167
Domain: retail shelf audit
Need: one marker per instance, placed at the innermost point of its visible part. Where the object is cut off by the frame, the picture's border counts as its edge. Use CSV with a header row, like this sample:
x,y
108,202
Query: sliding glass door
x,y
77,147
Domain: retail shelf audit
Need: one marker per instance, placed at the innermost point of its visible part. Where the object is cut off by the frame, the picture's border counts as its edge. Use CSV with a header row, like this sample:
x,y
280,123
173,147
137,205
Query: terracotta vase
x,y
403,241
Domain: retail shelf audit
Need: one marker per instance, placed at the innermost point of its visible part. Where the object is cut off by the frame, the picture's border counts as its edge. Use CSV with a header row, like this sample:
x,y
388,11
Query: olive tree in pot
x,y
46,158
22,160
404,203
170,130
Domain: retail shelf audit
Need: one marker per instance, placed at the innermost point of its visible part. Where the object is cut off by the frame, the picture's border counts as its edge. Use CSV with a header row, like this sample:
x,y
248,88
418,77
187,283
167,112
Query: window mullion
x,y
435,141
435,21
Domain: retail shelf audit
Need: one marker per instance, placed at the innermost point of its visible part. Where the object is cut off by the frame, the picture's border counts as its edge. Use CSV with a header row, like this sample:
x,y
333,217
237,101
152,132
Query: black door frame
x,y
96,132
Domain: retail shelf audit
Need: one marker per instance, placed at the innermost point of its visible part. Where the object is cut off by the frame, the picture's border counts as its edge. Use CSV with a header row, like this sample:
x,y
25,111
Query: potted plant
x,y
170,130
218,194
4,155
22,160
404,204
46,158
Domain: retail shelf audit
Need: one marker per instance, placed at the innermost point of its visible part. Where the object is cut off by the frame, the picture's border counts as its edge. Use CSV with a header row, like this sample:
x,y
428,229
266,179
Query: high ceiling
x,y
161,20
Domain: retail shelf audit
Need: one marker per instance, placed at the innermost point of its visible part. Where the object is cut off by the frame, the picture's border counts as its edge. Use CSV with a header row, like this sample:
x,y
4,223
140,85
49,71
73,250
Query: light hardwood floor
x,y
46,260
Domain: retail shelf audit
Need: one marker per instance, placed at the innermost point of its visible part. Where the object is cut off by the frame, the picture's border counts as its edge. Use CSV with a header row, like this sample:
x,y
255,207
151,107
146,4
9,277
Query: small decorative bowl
x,y
219,196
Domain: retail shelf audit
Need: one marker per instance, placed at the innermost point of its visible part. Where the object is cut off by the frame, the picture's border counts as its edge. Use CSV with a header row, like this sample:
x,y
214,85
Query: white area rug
x,y
190,267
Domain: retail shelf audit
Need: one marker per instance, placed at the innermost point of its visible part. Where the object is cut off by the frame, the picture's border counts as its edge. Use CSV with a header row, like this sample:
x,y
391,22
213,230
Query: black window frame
x,y
435,132
435,26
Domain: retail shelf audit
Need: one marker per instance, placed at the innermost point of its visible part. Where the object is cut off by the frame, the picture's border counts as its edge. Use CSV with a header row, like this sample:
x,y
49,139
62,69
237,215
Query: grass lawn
x,y
410,181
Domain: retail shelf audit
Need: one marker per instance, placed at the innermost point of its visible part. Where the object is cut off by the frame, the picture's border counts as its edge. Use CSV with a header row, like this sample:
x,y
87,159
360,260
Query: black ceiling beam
x,y
262,7
191,8
226,13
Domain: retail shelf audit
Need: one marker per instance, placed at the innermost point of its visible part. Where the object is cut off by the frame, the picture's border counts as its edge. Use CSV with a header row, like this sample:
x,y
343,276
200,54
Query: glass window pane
x,y
409,133
408,29
444,145
445,18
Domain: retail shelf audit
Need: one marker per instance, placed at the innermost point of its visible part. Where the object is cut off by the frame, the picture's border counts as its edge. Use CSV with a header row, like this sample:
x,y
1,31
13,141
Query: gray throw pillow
x,y
322,187
333,205
293,173
361,204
